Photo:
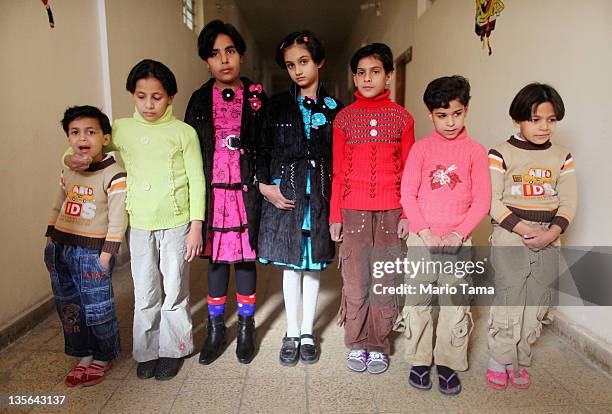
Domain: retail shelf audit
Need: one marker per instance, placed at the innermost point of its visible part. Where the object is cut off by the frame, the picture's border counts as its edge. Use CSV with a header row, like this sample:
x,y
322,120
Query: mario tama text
x,y
430,289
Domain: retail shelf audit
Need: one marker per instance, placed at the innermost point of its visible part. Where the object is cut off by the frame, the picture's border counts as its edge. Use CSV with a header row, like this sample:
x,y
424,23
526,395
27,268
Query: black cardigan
x,y
199,115
286,153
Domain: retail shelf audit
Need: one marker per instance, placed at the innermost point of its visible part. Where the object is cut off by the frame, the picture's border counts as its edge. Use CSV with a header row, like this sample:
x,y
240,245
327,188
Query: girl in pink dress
x,y
225,112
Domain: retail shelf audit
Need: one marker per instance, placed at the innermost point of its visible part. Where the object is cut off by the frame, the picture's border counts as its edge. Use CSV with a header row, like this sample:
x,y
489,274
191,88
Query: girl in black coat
x,y
226,112
294,174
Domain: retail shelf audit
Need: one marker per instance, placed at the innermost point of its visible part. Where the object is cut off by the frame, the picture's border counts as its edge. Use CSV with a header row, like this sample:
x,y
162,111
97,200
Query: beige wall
x,y
43,71
151,29
561,42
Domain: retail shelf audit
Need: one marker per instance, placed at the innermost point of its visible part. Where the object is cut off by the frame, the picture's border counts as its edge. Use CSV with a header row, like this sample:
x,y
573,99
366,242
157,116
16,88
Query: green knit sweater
x,y
164,171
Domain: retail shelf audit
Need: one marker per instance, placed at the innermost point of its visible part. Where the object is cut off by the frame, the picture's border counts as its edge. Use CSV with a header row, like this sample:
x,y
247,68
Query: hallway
x,y
85,58
564,382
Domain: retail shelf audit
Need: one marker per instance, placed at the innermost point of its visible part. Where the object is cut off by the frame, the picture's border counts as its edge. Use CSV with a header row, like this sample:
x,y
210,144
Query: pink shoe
x,y
501,379
94,374
522,374
74,377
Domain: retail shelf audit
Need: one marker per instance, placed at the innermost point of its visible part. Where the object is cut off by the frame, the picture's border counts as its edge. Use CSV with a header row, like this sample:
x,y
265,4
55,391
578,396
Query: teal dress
x,y
306,263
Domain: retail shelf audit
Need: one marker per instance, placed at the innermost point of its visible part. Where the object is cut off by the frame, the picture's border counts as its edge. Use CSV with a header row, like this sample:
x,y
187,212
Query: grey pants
x,y
523,281
162,325
454,320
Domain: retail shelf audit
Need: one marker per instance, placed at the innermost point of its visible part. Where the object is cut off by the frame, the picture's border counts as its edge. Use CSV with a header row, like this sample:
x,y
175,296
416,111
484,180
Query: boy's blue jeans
x,y
84,300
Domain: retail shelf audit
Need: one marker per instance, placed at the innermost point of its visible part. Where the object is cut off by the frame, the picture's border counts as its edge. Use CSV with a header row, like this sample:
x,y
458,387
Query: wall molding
x,y
583,340
25,323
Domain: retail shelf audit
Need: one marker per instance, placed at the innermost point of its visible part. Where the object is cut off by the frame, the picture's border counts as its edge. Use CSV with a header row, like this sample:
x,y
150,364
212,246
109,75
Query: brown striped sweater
x,y
89,210
532,182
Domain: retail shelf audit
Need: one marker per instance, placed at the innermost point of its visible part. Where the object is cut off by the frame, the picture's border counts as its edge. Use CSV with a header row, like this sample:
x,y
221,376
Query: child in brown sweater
x,y
534,199
85,230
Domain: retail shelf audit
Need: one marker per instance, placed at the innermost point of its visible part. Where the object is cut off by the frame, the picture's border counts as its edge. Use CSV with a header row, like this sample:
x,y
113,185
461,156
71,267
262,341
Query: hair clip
x,y
281,46
305,38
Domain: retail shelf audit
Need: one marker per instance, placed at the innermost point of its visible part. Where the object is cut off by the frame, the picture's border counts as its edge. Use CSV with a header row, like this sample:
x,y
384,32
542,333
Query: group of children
x,y
246,178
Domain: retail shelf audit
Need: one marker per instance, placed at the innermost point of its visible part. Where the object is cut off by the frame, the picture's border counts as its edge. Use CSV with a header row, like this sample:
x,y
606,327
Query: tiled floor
x,y
564,382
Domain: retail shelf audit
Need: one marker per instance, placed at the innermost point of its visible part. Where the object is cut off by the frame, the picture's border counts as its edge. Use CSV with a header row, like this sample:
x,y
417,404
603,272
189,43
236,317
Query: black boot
x,y
215,340
245,335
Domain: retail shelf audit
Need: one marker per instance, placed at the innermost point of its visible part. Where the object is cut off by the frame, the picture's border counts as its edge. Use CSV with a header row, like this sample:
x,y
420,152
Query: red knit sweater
x,y
372,138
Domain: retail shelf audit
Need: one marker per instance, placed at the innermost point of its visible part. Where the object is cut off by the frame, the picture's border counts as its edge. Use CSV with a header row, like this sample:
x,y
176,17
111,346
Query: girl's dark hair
x,y
86,111
208,35
152,69
379,51
440,92
305,38
532,95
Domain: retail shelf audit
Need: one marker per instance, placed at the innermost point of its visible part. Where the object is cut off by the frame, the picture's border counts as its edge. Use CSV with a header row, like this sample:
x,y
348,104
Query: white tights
x,y
300,287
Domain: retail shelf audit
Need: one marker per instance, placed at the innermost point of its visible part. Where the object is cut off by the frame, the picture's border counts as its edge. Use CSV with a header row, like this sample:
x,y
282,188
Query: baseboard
x,y
28,321
595,349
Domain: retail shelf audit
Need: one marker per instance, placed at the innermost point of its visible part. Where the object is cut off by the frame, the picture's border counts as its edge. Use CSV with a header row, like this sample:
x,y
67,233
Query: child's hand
x,y
335,230
402,229
530,234
452,242
433,242
543,239
534,231
193,243
105,258
77,162
273,195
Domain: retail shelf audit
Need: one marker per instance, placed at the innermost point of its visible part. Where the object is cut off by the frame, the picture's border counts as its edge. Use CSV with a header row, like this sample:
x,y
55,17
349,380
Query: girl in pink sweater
x,y
445,193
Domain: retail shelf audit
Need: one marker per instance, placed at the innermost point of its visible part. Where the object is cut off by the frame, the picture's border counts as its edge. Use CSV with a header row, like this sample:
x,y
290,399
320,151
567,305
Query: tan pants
x,y
367,316
523,281
454,320
162,323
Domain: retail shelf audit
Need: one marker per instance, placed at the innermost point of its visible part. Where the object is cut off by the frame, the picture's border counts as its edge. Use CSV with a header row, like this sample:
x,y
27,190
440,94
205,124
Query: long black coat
x,y
199,115
286,153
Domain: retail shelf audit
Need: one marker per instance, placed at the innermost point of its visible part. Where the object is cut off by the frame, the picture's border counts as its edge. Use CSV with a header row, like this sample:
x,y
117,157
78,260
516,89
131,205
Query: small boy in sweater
x,y
534,199
445,193
87,223
372,138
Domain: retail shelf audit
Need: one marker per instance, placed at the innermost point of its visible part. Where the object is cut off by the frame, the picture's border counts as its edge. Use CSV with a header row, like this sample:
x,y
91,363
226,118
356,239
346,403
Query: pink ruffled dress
x,y
228,236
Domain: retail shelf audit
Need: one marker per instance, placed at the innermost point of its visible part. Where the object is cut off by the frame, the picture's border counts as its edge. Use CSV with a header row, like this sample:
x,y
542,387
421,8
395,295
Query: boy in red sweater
x,y
372,138
446,192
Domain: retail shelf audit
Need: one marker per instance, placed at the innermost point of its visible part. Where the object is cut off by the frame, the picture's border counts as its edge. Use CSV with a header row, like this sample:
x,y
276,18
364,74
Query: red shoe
x,y
94,374
74,377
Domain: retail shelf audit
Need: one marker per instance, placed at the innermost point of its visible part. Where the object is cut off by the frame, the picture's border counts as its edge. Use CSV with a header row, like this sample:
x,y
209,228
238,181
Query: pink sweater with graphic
x,y
446,185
